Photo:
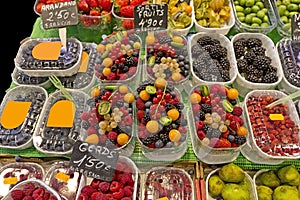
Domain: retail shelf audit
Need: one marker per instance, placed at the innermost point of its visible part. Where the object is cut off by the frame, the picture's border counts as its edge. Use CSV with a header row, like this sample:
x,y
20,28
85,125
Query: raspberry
x,y
131,71
111,76
237,111
126,178
128,120
91,130
28,189
112,135
119,194
102,138
83,196
122,76
88,190
84,116
139,103
114,186
96,196
39,198
95,183
140,114
126,198
128,191
28,198
46,195
17,194
104,187
39,192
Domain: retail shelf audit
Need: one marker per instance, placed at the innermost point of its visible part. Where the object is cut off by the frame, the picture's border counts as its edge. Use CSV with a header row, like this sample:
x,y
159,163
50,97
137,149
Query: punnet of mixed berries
x,y
160,117
109,119
118,59
218,117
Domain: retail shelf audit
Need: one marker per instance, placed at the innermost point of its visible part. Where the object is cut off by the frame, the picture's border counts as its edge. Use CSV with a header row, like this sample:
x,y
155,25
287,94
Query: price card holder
x,y
150,17
94,161
59,15
295,23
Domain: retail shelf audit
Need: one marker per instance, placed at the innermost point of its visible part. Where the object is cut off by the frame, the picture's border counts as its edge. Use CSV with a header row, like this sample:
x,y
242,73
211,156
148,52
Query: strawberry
x,y
17,194
92,3
128,24
224,143
38,7
95,12
83,6
136,2
122,3
127,11
105,5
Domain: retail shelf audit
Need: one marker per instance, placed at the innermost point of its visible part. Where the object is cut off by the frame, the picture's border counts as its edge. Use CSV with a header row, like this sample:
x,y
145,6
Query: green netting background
x,y
137,156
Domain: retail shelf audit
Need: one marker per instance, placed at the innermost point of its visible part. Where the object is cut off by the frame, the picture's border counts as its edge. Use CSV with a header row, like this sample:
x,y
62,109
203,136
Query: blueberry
x,y
170,144
159,144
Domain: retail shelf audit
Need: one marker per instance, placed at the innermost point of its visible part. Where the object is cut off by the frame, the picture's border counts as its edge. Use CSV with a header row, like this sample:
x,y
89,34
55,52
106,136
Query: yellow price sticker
x,y
62,177
163,198
276,117
10,180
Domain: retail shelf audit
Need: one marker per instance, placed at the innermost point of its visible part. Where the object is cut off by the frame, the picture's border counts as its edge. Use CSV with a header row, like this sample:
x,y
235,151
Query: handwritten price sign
x,y
93,160
59,15
150,17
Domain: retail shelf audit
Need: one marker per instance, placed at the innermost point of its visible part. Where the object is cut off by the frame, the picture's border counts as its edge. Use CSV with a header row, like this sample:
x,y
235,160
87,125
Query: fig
x,y
233,191
215,185
289,175
269,178
231,173
286,192
264,192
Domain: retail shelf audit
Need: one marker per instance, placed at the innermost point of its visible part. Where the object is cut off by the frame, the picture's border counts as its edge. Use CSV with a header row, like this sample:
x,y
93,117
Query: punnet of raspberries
x,y
30,191
120,188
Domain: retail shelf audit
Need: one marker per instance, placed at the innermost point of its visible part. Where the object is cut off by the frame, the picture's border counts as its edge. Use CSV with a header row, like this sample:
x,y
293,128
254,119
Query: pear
x,y
233,191
231,173
289,175
286,192
269,178
215,185
264,192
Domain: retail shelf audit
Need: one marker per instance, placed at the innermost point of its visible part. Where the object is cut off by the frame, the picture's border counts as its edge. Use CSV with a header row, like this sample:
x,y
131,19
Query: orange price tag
x,y
10,180
163,198
62,177
276,117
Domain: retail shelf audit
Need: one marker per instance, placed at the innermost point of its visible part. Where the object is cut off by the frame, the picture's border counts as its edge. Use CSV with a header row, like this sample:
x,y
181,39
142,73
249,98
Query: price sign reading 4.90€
x,y
59,15
94,161
150,17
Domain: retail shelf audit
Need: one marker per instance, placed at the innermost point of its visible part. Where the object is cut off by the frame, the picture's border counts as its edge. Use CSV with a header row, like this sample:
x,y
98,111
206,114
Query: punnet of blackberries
x,y
253,62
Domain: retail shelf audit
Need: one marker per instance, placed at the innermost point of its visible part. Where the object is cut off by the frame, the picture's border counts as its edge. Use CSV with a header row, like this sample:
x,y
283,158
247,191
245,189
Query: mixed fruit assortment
x,y
160,115
167,57
210,60
118,57
109,119
121,187
254,61
275,136
168,183
217,115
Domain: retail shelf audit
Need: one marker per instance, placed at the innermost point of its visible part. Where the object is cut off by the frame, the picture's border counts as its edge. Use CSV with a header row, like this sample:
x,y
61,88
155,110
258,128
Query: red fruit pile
x,y
120,188
276,137
30,191
125,8
41,3
218,117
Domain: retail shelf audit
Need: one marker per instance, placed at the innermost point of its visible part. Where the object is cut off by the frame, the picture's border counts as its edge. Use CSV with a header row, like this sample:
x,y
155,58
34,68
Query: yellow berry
x,y
160,82
177,39
92,139
195,98
176,76
95,92
107,62
122,139
242,131
106,71
174,135
150,39
232,93
173,113
100,48
144,95
152,126
123,89
129,98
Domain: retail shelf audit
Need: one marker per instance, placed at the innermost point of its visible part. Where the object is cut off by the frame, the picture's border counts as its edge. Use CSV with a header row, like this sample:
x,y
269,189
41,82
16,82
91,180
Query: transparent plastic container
x,y
173,137
128,166
67,64
167,182
17,133
244,86
63,180
115,123
224,42
59,139
208,142
85,77
287,51
272,21
38,184
126,45
263,133
223,30
251,188
14,173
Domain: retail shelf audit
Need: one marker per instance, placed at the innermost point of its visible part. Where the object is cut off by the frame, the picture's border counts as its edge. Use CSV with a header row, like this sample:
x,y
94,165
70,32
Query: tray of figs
x,y
42,57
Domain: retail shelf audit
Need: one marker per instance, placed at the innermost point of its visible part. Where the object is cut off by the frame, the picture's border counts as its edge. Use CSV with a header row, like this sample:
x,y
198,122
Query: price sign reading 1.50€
x,y
150,17
59,15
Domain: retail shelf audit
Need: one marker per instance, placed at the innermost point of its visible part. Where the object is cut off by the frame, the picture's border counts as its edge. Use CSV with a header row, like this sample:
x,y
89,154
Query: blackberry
x,y
253,42
147,141
170,88
225,75
239,51
164,137
270,69
169,106
207,128
196,50
207,40
130,61
242,65
154,137
240,139
259,51
166,129
206,108
215,51
147,117
200,115
213,133
253,78
261,62
240,42
224,63
249,56
142,85
164,39
180,106
270,78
